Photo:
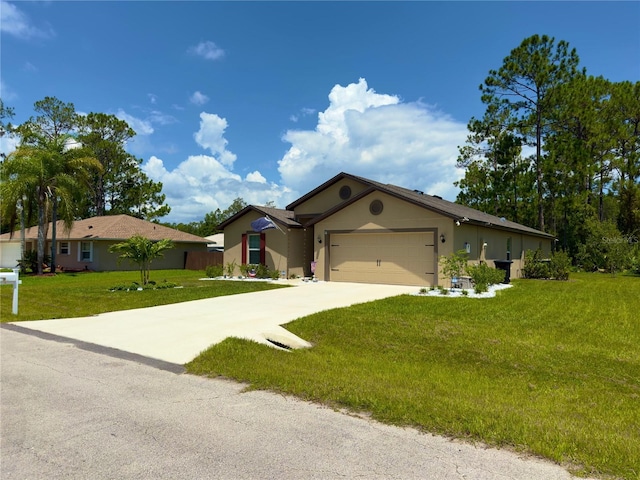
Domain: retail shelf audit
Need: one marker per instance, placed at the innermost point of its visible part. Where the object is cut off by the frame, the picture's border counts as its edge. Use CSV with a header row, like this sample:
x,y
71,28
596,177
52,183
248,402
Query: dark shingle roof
x,y
283,217
453,210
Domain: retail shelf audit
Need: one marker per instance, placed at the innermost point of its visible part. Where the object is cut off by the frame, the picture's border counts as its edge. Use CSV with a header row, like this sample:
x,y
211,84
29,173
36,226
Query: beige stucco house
x,y
353,229
86,245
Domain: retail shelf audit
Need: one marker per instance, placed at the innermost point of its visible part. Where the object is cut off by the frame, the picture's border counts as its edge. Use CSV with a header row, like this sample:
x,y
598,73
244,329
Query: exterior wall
x,y
328,198
102,260
283,252
497,244
396,215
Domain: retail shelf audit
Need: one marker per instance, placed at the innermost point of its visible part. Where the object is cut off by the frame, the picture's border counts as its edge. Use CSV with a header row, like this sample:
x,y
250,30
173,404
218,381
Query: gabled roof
x,y
110,227
326,184
283,217
446,208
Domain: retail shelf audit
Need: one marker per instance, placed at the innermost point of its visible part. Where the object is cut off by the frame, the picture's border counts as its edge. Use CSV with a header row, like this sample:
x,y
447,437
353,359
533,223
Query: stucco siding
x,y
283,251
329,198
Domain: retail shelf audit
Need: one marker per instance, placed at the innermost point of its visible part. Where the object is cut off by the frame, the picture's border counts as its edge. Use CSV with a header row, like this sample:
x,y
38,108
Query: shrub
x,y
213,271
259,271
483,275
30,261
560,266
454,266
534,265
230,268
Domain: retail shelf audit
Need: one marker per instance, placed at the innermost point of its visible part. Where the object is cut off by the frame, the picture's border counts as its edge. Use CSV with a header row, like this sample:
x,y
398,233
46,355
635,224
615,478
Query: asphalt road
x,y
67,412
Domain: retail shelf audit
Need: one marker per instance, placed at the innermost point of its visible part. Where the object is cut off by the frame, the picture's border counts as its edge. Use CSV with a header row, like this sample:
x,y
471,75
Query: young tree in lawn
x,y
142,251
519,92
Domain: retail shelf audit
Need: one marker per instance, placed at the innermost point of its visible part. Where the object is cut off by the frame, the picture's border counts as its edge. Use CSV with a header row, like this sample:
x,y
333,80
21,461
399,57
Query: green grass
x,y
69,295
549,368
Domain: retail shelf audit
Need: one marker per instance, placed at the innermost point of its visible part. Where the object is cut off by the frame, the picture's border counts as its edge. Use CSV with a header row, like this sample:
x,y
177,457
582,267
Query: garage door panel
x,y
393,258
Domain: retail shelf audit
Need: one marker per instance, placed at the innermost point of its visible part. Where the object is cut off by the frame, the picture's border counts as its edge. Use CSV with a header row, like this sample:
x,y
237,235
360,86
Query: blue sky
x,y
267,100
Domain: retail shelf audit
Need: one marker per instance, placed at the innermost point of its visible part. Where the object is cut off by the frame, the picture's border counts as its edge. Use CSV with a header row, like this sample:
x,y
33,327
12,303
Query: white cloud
x,y
255,177
15,22
304,112
140,126
201,184
153,99
207,50
198,98
376,136
211,137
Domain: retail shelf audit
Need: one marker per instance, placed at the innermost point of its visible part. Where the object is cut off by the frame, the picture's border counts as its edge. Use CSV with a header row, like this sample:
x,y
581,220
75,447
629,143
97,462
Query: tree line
x,y
581,181
69,166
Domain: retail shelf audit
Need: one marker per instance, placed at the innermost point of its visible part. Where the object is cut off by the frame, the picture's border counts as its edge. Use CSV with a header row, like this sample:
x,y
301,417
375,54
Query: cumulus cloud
x,y
14,21
379,137
211,137
198,98
201,184
207,50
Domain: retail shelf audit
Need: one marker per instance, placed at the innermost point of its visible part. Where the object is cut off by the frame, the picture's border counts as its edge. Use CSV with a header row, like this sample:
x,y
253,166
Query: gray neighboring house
x,y
86,245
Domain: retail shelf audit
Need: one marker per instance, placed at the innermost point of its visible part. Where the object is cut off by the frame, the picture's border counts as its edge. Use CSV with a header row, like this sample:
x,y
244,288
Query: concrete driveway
x,y
177,333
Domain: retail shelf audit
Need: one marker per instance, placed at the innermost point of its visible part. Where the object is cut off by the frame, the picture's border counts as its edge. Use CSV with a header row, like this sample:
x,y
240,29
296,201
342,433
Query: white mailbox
x,y
13,279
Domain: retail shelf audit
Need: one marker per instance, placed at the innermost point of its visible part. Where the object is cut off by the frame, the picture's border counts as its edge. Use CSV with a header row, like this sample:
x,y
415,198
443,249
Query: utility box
x,y
506,266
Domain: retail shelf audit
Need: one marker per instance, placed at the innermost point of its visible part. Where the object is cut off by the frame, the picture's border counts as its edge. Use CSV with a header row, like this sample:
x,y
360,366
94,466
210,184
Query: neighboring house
x,y
353,229
216,242
86,246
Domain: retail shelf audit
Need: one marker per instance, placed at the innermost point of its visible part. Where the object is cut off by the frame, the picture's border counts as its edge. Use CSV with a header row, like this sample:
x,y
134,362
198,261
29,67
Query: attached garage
x,y
390,257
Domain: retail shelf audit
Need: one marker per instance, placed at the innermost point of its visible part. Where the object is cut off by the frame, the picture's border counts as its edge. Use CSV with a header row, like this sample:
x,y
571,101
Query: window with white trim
x,y
64,248
85,252
253,245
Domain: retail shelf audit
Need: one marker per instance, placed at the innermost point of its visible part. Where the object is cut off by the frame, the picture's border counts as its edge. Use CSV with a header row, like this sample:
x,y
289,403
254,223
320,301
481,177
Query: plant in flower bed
x,y
258,271
151,285
482,275
214,271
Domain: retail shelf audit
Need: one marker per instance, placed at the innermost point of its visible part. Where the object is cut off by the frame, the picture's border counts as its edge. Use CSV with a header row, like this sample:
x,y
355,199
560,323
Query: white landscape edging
x,y
457,292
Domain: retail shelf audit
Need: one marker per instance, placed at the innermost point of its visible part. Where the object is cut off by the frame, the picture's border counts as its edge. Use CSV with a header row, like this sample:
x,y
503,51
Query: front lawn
x,y
68,295
549,368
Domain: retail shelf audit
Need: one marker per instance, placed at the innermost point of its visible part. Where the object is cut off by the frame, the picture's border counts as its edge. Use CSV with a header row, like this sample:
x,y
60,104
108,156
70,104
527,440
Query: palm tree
x,y
143,251
45,169
51,177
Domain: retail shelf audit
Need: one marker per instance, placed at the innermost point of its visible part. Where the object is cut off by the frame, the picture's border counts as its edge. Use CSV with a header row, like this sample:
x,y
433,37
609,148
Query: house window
x,y
254,249
65,248
85,252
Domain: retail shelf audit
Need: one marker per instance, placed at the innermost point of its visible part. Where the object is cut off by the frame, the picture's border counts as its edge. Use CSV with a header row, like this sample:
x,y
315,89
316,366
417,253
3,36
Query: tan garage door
x,y
403,258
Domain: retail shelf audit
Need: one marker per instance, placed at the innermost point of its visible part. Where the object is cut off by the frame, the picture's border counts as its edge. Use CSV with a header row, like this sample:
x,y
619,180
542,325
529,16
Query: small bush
x,y
135,286
259,271
560,266
213,271
454,266
534,265
482,275
230,268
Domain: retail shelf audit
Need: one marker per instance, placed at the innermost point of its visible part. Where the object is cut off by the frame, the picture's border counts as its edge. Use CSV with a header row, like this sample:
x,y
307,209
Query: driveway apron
x,y
177,333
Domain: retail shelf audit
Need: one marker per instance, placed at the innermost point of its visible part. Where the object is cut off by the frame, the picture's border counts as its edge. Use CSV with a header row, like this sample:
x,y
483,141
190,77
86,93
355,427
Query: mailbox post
x,y
13,279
